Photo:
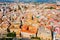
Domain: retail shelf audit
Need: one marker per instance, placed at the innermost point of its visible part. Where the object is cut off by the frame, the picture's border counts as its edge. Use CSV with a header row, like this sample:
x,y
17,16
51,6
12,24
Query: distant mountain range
x,y
29,0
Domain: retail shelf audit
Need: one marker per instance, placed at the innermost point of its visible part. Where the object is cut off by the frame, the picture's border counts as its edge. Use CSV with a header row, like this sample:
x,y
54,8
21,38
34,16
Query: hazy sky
x,y
32,0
